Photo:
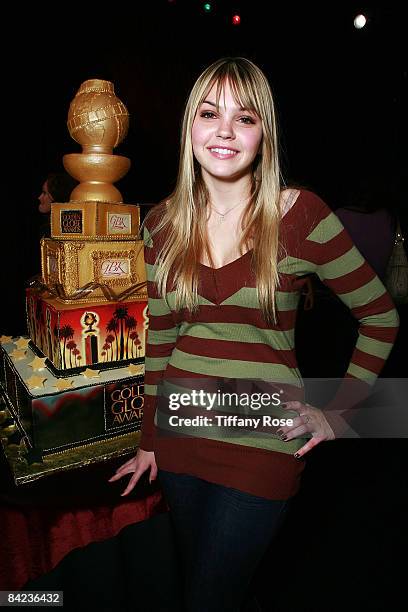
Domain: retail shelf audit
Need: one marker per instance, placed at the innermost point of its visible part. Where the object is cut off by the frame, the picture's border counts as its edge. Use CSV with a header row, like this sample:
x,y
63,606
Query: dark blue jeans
x,y
221,535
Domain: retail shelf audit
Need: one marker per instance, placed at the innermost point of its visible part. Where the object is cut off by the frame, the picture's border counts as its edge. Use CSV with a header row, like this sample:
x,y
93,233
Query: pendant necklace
x,y
224,214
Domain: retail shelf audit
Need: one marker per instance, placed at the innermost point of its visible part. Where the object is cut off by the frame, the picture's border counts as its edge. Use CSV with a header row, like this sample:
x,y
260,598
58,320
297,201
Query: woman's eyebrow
x,y
240,108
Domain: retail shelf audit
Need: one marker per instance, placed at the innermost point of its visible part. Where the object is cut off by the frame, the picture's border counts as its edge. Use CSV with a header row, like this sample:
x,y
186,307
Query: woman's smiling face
x,y
225,141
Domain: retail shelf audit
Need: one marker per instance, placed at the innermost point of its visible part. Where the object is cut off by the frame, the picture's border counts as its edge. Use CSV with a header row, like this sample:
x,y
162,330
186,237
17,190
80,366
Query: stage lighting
x,y
360,21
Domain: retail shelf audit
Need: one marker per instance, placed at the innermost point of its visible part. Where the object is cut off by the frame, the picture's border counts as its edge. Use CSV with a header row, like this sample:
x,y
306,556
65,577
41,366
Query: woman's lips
x,y
222,152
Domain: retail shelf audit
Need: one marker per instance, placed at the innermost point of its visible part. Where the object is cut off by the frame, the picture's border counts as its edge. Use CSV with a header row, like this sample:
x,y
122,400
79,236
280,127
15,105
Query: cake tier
x,y
115,266
54,415
74,336
94,220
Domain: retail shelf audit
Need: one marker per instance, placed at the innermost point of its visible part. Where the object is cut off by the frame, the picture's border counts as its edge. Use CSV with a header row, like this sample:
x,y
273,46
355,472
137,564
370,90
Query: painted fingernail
x,y
279,432
284,437
297,456
284,405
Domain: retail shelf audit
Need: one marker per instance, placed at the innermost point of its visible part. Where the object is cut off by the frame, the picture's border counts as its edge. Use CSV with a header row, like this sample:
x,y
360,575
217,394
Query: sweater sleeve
x,y
161,339
341,267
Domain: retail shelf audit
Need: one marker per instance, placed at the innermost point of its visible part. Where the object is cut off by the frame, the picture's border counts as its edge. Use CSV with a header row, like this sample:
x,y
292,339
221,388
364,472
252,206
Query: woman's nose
x,y
225,129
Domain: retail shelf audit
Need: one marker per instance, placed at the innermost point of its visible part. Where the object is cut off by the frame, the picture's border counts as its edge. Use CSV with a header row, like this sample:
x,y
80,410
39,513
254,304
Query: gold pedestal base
x,y
23,472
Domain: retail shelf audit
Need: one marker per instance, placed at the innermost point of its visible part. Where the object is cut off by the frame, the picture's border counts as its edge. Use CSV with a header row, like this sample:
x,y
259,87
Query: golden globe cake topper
x,y
98,121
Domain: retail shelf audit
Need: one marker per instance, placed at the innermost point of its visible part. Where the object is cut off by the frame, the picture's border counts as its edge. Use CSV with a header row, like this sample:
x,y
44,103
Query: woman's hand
x,y
143,460
310,420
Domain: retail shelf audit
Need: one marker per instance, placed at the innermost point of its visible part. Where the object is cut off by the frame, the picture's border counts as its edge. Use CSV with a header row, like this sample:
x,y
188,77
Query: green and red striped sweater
x,y
228,337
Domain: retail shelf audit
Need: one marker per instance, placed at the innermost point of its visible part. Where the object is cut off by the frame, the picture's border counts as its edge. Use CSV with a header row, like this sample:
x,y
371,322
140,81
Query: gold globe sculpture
x,y
98,121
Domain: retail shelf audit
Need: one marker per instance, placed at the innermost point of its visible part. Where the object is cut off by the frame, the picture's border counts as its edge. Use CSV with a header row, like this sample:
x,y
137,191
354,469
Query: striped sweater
x,y
228,337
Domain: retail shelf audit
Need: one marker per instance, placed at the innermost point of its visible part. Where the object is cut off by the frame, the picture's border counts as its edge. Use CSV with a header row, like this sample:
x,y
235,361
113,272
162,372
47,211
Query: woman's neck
x,y
224,195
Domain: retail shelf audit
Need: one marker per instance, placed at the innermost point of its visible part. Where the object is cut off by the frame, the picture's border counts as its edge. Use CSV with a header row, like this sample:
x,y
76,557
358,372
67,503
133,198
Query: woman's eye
x,y
247,120
207,114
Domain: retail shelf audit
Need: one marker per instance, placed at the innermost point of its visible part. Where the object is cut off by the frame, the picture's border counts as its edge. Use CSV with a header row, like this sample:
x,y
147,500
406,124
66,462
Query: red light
x,y
236,20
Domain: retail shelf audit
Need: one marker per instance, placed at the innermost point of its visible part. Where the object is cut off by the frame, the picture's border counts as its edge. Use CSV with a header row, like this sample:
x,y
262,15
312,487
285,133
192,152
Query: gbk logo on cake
x,y
119,223
115,268
124,404
71,222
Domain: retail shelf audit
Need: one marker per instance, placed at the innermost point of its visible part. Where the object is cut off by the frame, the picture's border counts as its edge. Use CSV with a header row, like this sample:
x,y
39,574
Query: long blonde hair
x,y
184,214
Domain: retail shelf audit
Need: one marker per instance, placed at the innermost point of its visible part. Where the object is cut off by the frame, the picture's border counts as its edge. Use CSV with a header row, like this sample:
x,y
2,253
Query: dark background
x,y
338,92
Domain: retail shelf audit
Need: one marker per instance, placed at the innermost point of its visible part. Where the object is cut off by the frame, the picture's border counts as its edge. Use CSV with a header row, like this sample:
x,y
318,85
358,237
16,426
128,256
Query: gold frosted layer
x,y
74,264
94,221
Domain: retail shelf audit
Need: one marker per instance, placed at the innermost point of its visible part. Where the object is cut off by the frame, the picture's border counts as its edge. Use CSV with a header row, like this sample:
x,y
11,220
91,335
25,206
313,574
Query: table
x,y
75,516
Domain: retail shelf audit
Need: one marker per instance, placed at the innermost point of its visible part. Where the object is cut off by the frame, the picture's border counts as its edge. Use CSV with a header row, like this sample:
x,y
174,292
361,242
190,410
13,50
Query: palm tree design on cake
x,y
57,347
71,346
109,340
130,323
138,346
113,326
66,333
105,350
134,336
121,315
76,352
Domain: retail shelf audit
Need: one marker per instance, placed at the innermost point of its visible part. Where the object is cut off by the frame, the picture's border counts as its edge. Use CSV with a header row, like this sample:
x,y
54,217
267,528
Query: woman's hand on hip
x,y
142,461
310,421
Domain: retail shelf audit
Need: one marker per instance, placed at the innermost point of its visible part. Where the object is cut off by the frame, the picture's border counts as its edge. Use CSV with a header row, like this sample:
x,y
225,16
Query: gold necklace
x,y
222,215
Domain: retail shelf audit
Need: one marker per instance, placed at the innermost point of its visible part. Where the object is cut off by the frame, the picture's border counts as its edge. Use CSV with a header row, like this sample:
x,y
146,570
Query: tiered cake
x,y
78,379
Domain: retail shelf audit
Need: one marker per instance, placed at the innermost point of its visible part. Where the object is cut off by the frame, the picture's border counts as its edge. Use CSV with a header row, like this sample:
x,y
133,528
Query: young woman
x,y
225,257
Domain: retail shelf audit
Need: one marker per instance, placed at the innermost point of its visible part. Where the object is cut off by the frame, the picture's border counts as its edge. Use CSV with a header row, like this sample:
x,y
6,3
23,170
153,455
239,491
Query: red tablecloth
x,y
42,522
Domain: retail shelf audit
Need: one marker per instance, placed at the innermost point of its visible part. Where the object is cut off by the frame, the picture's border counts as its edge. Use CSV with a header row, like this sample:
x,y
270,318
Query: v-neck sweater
x,y
228,337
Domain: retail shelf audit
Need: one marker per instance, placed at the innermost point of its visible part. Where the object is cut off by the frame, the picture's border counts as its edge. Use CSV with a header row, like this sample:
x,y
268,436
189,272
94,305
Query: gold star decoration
x,y
22,343
35,381
91,373
5,339
17,355
62,384
136,369
38,363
